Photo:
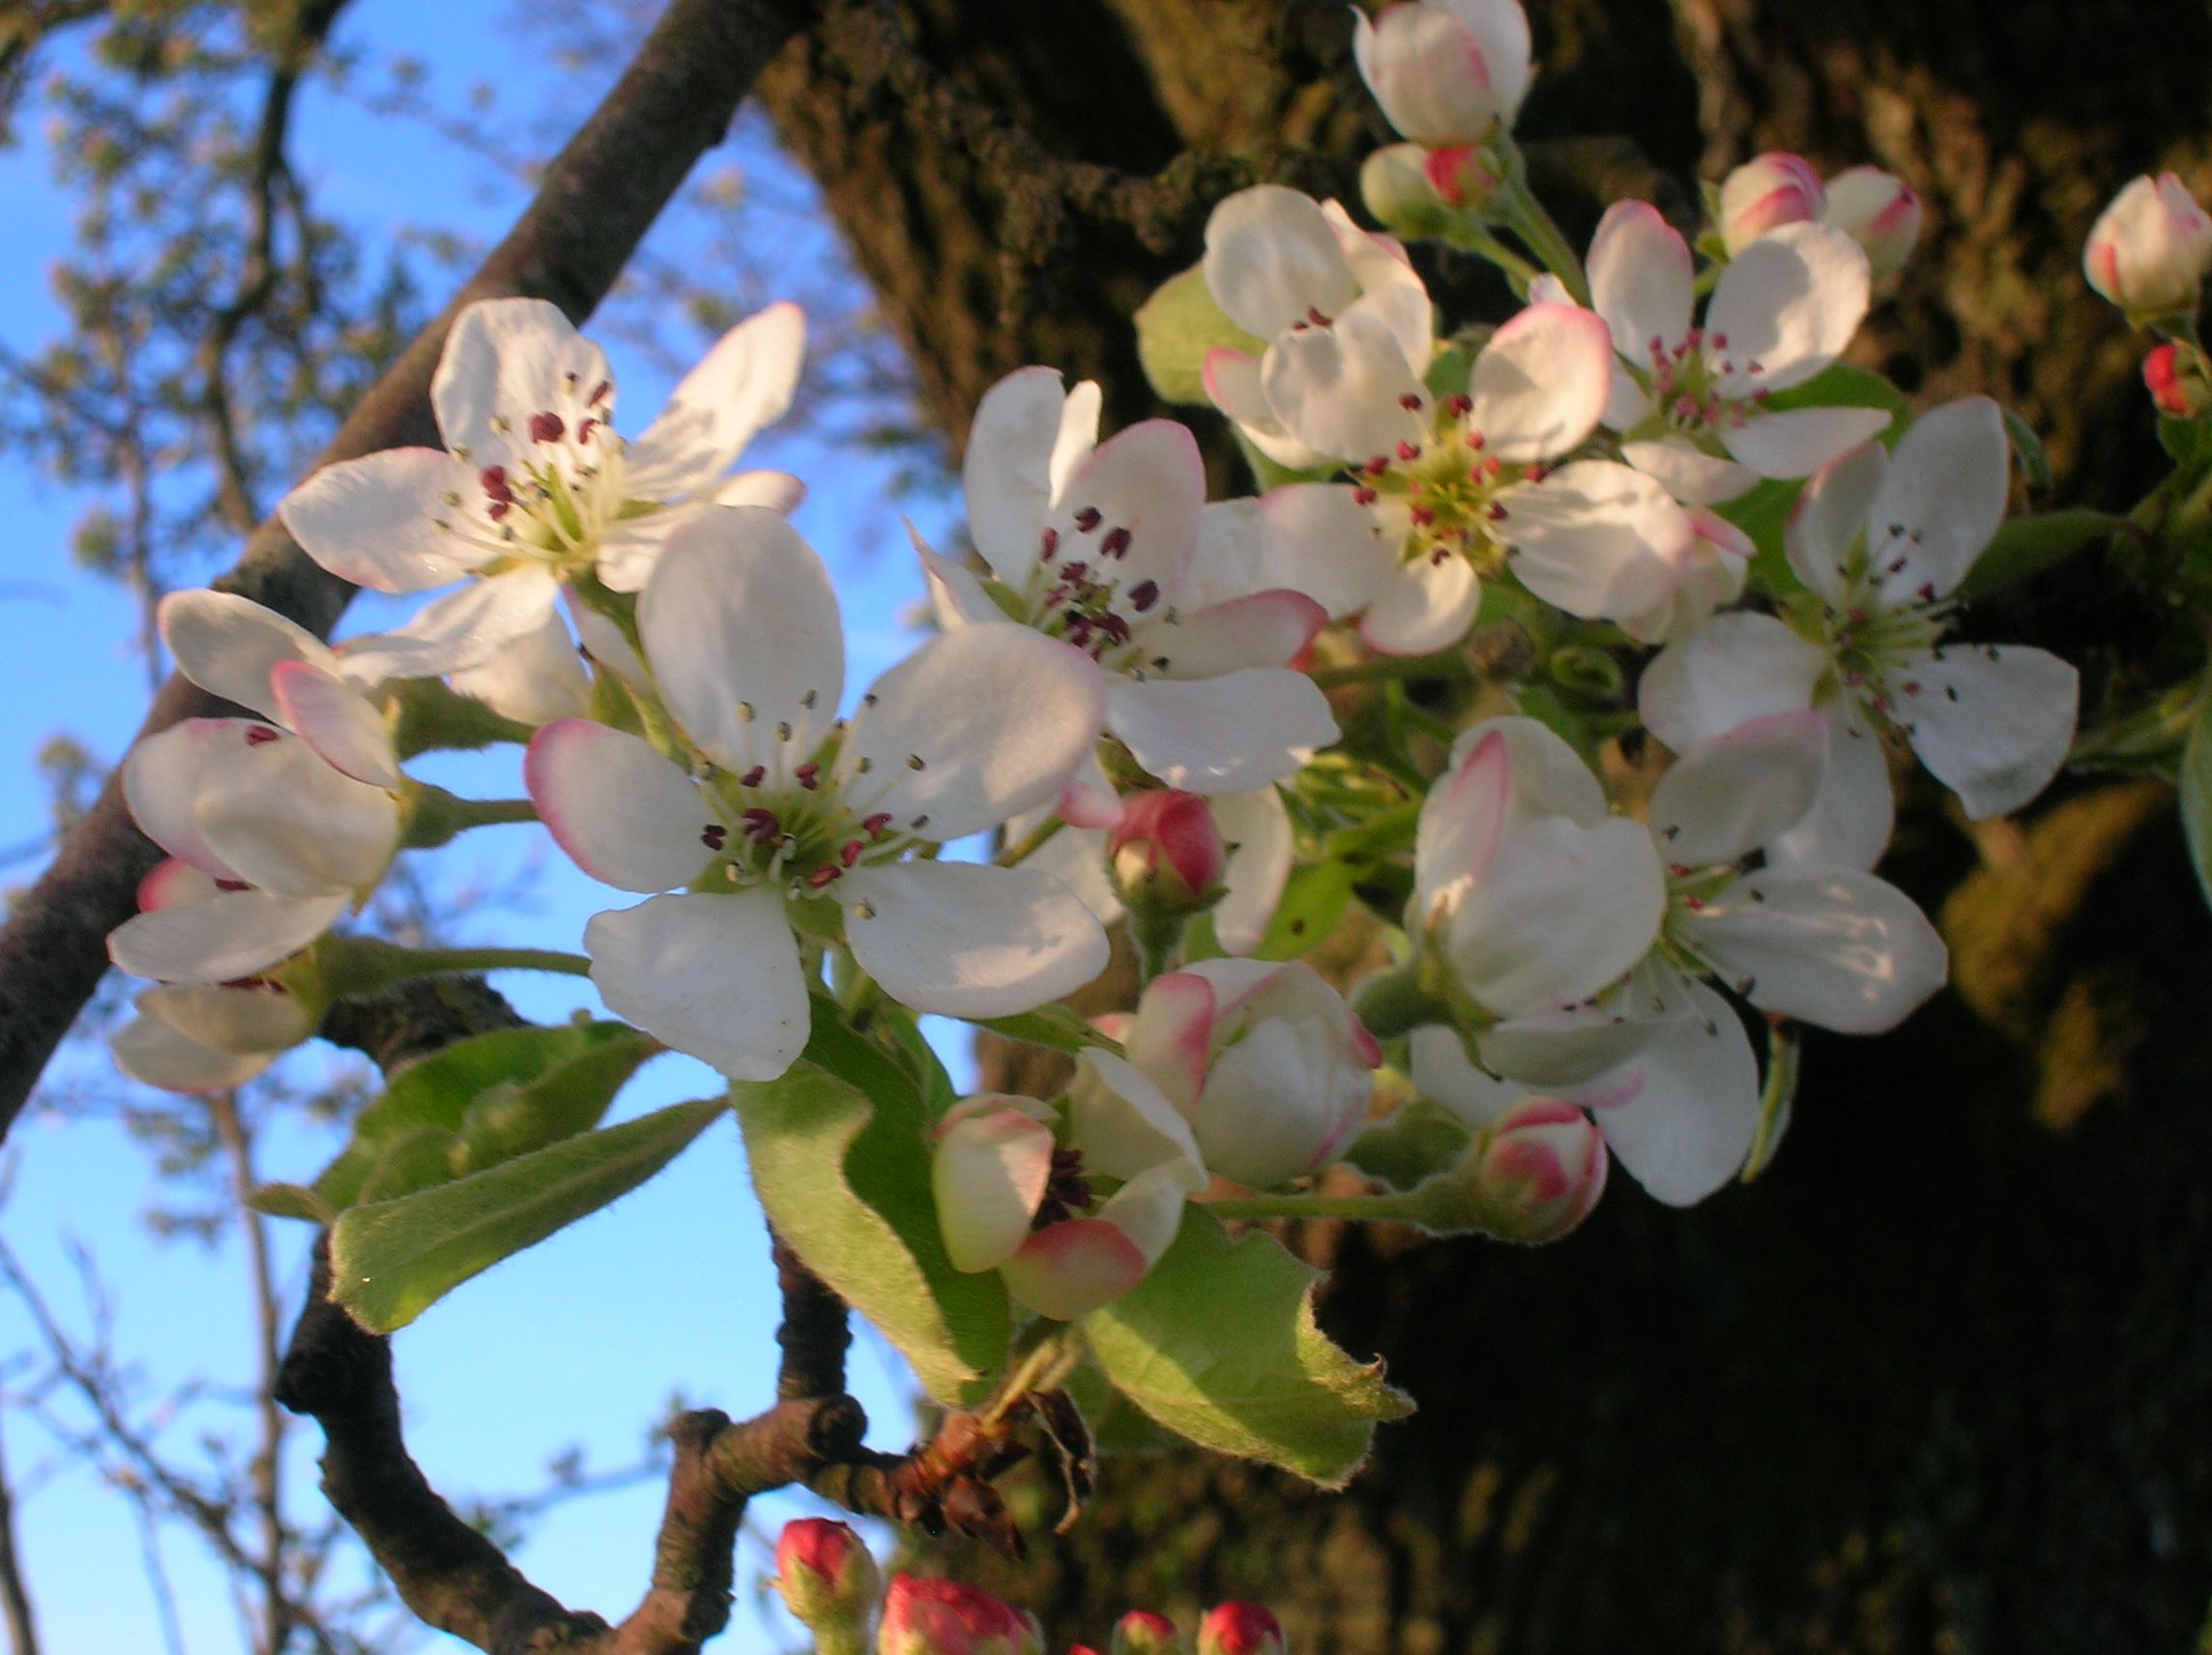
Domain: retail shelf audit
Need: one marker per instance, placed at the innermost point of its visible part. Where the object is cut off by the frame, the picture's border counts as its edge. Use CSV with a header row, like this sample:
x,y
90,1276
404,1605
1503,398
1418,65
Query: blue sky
x,y
580,1342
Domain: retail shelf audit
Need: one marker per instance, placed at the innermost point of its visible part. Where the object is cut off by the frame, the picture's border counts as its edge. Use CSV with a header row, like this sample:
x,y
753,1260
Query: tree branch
x,y
599,196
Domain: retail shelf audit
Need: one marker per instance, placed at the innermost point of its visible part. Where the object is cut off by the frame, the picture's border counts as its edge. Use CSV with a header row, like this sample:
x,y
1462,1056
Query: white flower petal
x,y
1560,910
1316,538
1441,1072
226,645
1460,822
1733,668
1421,606
1992,722
1122,1122
1342,390
778,490
1076,857
1694,1106
535,679
989,1173
1690,476
1169,1039
1271,261
1828,518
1547,777
630,549
1078,433
1222,735
967,941
336,719
745,383
258,1019
378,520
233,934
1598,539
153,1054
1005,474
1066,1272
1788,303
740,624
625,814
1850,823
1264,629
1141,493
1541,383
1725,797
716,976
504,360
956,598
973,727
274,809
174,882
1569,1046
462,629
1258,830
161,777
1941,501
1641,281
1797,442
1402,307
1833,947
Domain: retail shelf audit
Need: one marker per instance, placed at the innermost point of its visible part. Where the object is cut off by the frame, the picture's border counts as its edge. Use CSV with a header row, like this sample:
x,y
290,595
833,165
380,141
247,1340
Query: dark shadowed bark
x,y
1943,1379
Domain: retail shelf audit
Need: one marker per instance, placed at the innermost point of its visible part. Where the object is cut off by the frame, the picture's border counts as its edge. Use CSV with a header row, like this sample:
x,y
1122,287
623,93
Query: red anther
x,y
1476,440
500,509
585,430
1881,704
1898,568
821,877
1423,516
1496,512
1858,617
1491,466
1464,404
597,397
753,778
1696,338
1364,496
547,427
1760,393
713,835
1116,543
1408,451
1537,472
1927,591
1313,315
1695,904
1116,629
1051,545
1438,558
848,852
260,735
495,483
1719,341
1144,594
1376,466
810,776
1685,408
1912,686
1087,519
1658,348
232,885
1678,869
1411,403
761,826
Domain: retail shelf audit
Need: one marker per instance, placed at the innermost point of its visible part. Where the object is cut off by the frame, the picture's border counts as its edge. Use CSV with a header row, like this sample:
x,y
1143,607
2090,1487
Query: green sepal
x,y
1220,1345
1314,899
1177,326
428,716
392,1260
1418,1141
2028,452
2146,742
839,1151
434,816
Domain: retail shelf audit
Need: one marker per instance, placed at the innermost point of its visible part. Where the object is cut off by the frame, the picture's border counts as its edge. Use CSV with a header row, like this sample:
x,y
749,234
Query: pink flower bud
x,y
1545,1163
1166,853
1240,1629
1461,176
944,1617
1142,1632
2178,382
828,1577
1765,193
1877,210
2149,253
1395,185
1446,73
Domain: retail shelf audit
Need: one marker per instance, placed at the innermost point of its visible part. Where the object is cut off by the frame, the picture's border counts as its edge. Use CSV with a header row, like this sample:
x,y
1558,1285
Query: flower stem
x,y
436,816
1469,236
1526,215
1013,855
1452,664
366,965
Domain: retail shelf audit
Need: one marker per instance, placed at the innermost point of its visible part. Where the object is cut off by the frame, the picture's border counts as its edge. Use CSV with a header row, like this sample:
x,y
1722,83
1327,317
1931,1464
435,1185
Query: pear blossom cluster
x,y
1581,651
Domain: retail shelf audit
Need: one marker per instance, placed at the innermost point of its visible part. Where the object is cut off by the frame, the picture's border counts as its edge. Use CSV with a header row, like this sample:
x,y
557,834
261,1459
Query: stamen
x,y
782,731
1116,543
753,778
913,760
744,712
850,852
1144,594
761,825
547,427
713,835
1051,544
807,701
821,877
874,826
810,776
864,765
1411,403
260,735
1089,519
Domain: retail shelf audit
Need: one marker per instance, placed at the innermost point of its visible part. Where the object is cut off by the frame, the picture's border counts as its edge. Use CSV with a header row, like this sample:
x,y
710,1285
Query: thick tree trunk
x,y
1941,1379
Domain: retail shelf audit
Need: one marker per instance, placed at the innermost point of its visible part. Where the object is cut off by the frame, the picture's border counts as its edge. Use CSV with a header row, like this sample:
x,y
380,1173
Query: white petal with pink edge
x,y
967,941
338,721
714,976
173,882
1264,629
1420,605
1786,307
1122,1122
1258,827
1005,474
1272,261
227,644
1690,475
1068,1271
504,360
1541,383
162,781
1829,517
276,811
381,521
1559,912
625,814
1222,735
1344,390
1797,442
1641,281
989,1171
1598,539
1168,1042
1316,538
1733,668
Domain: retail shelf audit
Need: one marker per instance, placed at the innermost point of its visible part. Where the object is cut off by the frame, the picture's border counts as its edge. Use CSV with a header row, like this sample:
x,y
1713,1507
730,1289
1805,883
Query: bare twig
x,y
598,197
15,1595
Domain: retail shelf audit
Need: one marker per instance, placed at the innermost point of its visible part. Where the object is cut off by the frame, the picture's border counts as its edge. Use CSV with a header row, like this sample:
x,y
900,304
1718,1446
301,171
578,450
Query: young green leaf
x,y
1218,1344
840,1152
393,1260
1175,330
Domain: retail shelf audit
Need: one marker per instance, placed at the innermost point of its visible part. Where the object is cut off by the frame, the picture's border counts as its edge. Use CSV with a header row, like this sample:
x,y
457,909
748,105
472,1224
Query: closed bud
x,y
1449,74
1877,210
1464,176
1240,1629
1765,193
1395,185
944,1617
2149,253
827,1578
1166,853
1144,1632
2178,382
1543,1168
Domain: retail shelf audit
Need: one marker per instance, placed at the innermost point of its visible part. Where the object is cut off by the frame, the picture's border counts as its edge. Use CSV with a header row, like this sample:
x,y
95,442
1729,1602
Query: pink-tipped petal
x,y
338,721
625,814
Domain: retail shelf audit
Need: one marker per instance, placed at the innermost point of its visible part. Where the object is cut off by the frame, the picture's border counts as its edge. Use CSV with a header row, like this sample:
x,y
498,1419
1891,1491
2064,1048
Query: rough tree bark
x,y
1941,1379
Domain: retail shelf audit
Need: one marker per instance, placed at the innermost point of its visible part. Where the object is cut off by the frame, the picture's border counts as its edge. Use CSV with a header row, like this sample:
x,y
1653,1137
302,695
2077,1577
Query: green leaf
x,y
1055,1027
292,1201
2028,452
1218,1344
2189,442
2028,545
417,1159
1175,330
1314,899
2196,786
392,1260
1419,1140
839,1151
1841,385
1763,511
538,1087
